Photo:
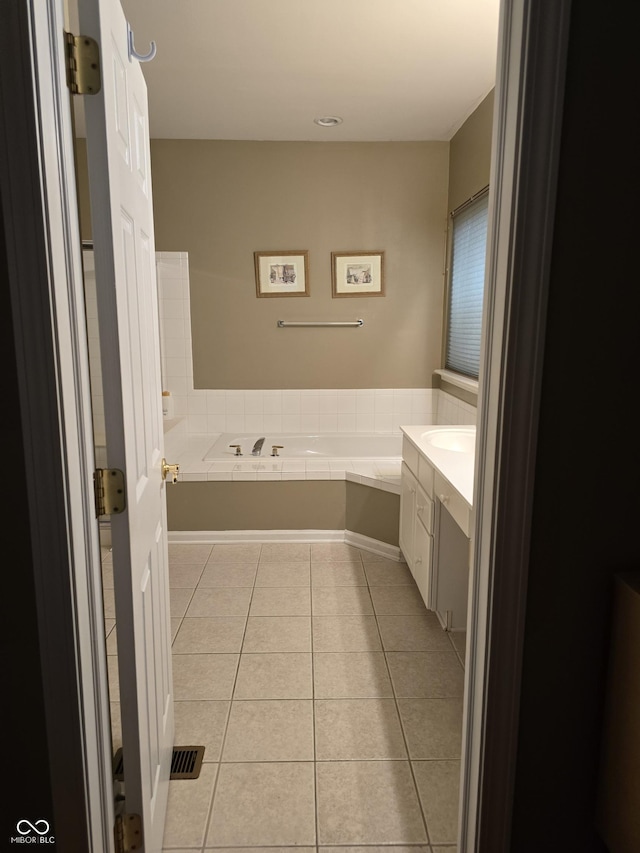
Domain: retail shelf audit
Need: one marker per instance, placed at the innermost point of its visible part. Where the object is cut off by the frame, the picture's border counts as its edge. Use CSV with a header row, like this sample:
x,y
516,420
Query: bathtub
x,y
330,445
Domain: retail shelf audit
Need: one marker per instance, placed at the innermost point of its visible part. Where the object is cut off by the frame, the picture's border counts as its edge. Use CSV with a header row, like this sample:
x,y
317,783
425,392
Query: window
x,y
466,286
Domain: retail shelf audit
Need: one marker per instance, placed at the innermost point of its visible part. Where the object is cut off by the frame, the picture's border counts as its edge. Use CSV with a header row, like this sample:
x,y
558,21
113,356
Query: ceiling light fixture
x,y
328,121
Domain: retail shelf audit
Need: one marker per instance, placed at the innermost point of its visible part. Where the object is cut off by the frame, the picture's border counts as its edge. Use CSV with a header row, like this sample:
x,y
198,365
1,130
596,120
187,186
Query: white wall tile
x,y
291,423
347,422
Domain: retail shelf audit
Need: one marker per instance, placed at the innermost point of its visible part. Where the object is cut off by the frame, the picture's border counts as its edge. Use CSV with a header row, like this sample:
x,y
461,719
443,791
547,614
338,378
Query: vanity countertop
x,y
456,466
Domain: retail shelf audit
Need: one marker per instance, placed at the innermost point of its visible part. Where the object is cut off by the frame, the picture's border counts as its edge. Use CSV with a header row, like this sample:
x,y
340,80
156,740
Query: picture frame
x,y
284,273
357,274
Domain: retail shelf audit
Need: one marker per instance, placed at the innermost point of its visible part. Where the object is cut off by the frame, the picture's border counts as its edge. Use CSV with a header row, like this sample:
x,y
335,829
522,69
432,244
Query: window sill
x,y
458,380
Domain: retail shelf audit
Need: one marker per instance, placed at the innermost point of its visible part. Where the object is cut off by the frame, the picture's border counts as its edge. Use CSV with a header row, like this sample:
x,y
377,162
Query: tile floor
x,y
327,697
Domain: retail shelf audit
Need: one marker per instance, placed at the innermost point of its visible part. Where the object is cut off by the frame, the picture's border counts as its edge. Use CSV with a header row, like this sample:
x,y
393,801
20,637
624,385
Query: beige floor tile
x,y
109,625
228,574
281,601
175,627
285,551
204,676
330,551
270,730
413,633
201,723
274,676
112,641
388,573
109,604
345,634
184,553
324,573
116,726
112,678
235,552
397,600
459,640
368,557
351,675
438,786
255,850
278,634
264,804
187,809
433,727
179,601
341,601
348,729
372,848
368,802
283,574
221,601
107,575
185,576
209,635
429,675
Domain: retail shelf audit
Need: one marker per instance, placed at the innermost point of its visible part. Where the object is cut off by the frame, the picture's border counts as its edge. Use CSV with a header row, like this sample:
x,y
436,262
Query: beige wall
x,y
470,156
221,201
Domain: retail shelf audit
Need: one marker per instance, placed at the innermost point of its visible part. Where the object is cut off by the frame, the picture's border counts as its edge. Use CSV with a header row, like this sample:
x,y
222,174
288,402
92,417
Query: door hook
x,y
133,53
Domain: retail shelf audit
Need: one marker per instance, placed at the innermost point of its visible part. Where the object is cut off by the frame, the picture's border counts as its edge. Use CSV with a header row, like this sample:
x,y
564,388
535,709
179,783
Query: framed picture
x,y
282,273
357,273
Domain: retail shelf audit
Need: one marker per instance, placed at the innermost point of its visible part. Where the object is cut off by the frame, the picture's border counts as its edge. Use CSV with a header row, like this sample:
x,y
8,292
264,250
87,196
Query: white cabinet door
x,y
408,491
118,151
422,555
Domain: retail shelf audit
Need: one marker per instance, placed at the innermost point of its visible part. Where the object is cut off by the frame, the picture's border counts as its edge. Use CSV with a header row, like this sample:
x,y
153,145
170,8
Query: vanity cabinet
x,y
416,520
434,537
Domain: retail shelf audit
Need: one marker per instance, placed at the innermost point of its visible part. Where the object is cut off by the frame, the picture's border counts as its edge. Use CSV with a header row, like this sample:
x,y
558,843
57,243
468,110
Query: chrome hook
x,y
133,53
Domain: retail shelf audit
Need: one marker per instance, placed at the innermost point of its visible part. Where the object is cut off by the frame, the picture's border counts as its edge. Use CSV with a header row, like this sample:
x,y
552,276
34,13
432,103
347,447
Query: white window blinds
x,y
466,287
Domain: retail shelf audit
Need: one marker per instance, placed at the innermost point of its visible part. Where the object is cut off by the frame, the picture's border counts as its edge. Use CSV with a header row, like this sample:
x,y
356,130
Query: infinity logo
x,y
32,827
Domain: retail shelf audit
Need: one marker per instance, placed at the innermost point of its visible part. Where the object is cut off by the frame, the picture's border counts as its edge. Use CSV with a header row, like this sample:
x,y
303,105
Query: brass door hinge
x,y
109,491
83,64
128,833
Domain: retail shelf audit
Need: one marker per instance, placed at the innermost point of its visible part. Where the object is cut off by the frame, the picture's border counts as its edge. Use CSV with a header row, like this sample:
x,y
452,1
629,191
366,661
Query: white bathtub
x,y
334,445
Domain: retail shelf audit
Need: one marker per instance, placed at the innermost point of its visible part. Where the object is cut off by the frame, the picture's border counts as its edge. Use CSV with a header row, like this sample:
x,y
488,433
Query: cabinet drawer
x,y
424,509
425,475
455,504
410,455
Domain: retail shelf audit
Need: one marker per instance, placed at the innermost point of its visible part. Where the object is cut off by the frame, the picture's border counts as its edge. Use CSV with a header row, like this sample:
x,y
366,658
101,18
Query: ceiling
x,y
264,69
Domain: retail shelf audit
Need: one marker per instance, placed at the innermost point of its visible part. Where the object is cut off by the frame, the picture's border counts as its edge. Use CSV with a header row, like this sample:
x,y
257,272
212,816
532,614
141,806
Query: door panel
x,y
122,221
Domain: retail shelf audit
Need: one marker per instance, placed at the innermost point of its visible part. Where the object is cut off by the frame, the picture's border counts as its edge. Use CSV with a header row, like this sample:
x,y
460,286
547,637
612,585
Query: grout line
x,y
209,817
404,737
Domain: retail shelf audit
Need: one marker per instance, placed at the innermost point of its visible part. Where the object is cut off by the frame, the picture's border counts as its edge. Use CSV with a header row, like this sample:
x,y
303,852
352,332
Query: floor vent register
x,y
186,763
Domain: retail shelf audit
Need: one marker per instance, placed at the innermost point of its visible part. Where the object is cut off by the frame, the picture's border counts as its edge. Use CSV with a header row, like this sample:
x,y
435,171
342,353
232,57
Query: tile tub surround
x,y
264,660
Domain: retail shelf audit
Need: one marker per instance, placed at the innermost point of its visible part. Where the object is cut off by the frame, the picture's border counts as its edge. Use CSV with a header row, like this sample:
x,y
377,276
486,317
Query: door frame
x,y
42,233
526,136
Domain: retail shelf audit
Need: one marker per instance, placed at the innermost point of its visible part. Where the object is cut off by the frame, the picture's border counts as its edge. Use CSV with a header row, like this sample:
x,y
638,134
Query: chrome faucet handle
x,y
238,448
275,448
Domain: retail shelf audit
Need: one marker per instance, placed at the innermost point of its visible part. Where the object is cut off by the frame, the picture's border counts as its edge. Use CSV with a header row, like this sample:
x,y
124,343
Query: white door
x,y
117,131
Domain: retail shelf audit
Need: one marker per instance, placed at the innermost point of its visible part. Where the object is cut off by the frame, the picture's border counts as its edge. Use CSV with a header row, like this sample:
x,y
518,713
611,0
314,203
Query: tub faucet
x,y
257,447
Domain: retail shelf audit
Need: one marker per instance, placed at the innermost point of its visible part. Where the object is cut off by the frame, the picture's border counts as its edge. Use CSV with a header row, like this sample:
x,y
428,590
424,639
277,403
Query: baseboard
x,y
374,546
365,543
256,536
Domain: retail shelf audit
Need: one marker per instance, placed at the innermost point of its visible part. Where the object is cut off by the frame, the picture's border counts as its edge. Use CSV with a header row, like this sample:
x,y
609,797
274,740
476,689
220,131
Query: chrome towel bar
x,y
284,323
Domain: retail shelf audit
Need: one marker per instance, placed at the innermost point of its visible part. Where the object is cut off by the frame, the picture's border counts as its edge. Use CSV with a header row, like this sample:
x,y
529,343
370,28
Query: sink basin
x,y
456,440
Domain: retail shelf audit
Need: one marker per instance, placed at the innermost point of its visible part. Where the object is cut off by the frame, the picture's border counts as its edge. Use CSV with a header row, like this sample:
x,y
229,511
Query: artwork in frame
x,y
282,273
357,273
